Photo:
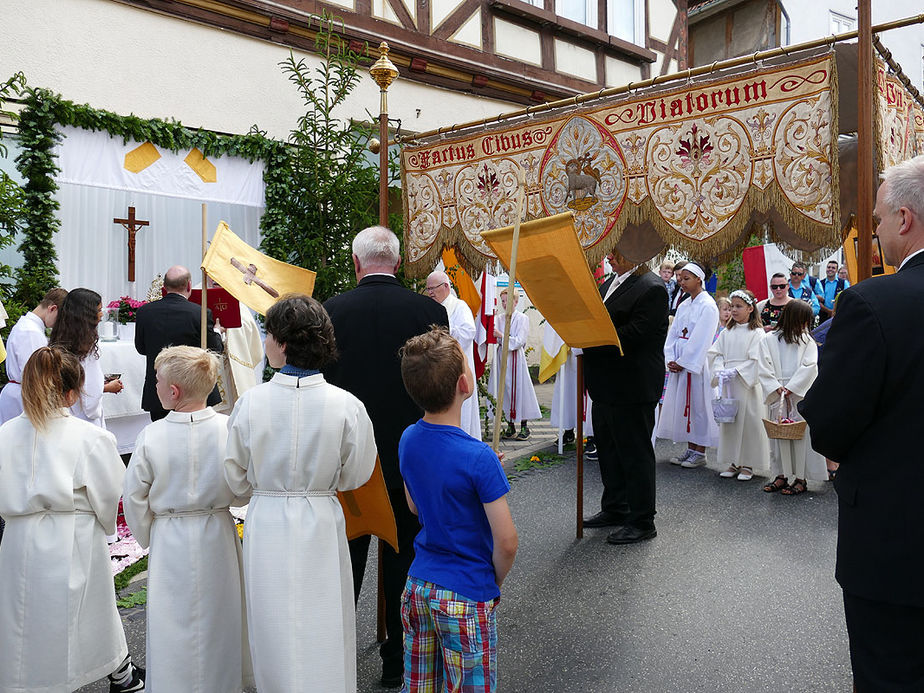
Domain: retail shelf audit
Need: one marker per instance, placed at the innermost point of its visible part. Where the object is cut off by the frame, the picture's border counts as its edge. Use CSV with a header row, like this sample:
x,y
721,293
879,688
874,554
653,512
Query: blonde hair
x,y
193,370
667,264
722,301
50,373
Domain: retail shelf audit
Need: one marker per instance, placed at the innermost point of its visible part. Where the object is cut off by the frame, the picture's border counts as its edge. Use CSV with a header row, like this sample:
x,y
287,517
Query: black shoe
x,y
631,535
510,432
523,434
603,519
391,681
590,451
133,685
568,437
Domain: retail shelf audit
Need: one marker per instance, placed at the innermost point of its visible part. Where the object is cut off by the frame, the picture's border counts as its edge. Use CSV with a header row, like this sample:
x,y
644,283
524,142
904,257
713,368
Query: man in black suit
x,y
371,323
864,411
625,390
171,321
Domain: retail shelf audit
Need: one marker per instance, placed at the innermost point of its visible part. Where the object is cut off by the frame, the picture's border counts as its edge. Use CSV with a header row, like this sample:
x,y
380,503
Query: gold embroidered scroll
x,y
554,274
696,162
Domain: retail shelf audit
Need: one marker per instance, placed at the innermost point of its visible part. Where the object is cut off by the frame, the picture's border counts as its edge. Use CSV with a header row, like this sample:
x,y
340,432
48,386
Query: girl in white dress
x,y
176,501
60,481
686,415
788,366
293,443
733,363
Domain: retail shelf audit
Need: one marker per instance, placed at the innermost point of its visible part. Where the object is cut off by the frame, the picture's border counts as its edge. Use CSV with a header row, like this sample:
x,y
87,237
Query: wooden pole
x,y
580,446
511,304
203,341
865,166
384,73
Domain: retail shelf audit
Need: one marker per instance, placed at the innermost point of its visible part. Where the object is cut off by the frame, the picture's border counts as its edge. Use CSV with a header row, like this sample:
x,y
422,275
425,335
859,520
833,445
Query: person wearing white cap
x,y
686,415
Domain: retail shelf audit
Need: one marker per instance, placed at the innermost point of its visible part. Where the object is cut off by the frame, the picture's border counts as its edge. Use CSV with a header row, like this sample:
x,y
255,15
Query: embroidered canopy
x,y
691,166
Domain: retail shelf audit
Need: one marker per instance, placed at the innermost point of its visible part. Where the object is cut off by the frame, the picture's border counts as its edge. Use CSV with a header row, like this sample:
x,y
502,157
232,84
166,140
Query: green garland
x,y
43,110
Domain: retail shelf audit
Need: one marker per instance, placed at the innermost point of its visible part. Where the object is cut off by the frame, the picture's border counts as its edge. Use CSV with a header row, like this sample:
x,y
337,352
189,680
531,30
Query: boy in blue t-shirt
x,y
466,546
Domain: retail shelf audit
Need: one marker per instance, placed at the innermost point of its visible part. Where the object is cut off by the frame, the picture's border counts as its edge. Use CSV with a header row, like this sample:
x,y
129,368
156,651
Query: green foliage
x,y
44,110
123,578
333,187
139,598
11,194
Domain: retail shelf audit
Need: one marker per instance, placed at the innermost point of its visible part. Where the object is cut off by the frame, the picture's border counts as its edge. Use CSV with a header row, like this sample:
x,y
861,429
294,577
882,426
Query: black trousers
x,y
627,462
394,576
886,645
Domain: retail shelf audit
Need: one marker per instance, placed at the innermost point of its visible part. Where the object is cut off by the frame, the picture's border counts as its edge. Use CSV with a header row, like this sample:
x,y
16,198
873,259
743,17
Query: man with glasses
x,y
799,287
864,411
462,329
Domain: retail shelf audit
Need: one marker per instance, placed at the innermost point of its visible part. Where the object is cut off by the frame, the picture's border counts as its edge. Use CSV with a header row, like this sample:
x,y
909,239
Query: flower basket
x,y
724,408
785,428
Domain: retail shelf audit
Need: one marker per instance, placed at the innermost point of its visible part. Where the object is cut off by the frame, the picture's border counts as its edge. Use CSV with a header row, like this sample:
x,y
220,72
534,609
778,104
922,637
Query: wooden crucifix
x,y
133,226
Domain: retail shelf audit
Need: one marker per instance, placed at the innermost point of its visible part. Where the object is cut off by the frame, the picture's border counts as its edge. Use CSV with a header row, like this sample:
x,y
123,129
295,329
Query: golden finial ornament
x,y
383,70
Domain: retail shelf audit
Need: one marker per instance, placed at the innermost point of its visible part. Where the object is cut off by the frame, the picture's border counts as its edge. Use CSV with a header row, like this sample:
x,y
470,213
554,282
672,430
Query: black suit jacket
x,y
638,309
171,321
864,411
371,323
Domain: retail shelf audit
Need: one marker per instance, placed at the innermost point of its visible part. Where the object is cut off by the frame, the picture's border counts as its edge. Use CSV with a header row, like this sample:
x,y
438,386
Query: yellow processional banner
x,y
254,279
553,273
696,162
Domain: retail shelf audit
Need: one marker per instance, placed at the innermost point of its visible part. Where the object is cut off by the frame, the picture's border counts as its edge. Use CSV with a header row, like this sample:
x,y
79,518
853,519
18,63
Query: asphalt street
x,y
736,593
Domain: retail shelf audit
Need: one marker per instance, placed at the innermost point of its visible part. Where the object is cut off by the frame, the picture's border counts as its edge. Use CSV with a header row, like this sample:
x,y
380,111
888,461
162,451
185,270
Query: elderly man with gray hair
x,y
371,323
864,411
462,328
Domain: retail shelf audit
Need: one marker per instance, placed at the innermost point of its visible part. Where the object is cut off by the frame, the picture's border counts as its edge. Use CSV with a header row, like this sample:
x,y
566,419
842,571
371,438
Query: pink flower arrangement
x,y
127,308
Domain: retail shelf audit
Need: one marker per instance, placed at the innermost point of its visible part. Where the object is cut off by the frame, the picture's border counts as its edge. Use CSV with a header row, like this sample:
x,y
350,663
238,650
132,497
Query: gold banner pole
x,y
384,73
511,304
865,164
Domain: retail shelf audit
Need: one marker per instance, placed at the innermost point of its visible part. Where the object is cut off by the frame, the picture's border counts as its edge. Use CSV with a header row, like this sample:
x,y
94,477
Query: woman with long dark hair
x,y
75,332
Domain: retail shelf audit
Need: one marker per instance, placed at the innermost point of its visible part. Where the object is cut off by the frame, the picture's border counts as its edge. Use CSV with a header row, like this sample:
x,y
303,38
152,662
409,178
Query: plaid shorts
x,y
450,642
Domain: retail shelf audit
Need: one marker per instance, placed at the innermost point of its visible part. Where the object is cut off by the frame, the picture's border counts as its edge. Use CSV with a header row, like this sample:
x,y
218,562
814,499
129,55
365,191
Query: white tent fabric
x,y
93,250
98,159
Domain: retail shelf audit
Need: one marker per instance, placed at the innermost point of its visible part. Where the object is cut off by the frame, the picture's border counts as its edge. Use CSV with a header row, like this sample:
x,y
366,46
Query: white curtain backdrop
x,y
93,251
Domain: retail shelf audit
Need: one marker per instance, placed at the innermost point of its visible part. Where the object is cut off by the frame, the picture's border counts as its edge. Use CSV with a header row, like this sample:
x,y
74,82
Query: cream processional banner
x,y
899,120
697,163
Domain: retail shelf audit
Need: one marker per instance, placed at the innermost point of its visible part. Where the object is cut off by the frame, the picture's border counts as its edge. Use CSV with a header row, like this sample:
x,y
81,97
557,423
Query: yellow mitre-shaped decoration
x,y
203,168
553,271
140,158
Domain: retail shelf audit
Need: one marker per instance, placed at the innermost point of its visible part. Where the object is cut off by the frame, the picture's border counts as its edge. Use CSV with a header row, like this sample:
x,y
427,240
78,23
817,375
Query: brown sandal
x,y
777,484
795,488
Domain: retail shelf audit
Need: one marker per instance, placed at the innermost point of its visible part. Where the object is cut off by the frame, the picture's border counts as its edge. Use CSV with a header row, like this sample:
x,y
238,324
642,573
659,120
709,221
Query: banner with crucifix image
x,y
255,279
689,166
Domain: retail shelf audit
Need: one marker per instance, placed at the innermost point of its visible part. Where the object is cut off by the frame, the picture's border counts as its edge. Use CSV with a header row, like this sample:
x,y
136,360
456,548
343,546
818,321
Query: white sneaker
x,y
697,459
680,459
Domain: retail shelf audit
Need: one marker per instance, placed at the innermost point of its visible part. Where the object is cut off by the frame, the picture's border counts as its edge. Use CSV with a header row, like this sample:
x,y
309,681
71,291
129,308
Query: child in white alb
x,y
686,414
176,501
788,367
733,363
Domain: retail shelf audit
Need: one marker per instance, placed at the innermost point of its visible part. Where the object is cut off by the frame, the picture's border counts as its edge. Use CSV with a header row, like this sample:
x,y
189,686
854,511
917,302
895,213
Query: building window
x,y
536,3
625,19
581,11
841,23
